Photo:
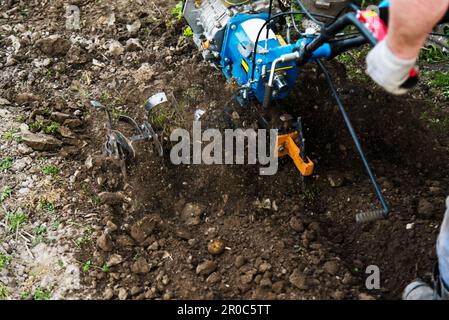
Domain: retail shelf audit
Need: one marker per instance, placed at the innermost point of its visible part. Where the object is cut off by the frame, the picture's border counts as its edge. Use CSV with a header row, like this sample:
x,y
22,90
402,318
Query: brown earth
x,y
283,241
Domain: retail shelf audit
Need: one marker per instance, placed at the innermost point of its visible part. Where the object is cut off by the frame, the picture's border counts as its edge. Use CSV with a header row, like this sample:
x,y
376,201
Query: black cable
x,y
282,14
308,14
270,11
377,189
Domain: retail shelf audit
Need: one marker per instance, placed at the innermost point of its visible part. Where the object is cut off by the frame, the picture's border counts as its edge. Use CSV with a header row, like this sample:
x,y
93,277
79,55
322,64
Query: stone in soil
x,y
335,179
206,267
141,266
104,242
425,209
296,225
40,142
112,198
299,280
142,229
191,214
54,45
114,259
331,267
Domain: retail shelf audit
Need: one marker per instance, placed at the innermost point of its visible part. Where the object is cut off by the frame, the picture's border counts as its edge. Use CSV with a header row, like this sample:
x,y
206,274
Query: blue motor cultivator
x,y
243,38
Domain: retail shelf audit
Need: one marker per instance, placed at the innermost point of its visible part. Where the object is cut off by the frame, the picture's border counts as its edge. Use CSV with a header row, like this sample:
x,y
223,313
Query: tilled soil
x,y
147,236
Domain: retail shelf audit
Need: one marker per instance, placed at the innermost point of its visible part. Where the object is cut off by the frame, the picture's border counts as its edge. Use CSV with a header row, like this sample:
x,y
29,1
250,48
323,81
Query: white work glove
x,y
387,70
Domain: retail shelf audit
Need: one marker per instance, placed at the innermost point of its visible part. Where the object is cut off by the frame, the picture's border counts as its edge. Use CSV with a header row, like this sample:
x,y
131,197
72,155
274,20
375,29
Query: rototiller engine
x,y
244,39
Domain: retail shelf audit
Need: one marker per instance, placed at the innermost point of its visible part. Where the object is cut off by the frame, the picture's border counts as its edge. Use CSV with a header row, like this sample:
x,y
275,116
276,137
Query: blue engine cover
x,y
237,55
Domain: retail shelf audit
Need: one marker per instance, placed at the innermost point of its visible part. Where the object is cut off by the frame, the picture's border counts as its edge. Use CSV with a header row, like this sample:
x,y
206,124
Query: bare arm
x,y
410,23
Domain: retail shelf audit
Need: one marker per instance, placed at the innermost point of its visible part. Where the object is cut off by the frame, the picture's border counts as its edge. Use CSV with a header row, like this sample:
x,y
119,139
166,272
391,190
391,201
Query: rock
x,y
331,267
122,294
112,198
20,164
296,225
239,261
25,97
66,132
73,123
108,294
116,49
110,227
425,209
206,267
142,229
114,259
191,214
365,296
40,142
144,74
104,242
4,102
213,278
335,179
216,247
183,234
124,241
154,246
141,266
53,45
134,27
264,267
133,45
299,280
59,116
278,286
266,283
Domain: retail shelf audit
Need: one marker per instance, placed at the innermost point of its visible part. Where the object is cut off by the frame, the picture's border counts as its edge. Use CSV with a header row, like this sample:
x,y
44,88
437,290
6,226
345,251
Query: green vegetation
x,y
176,12
6,193
105,268
434,54
311,193
42,294
4,260
50,170
52,128
8,135
35,126
3,292
47,205
40,233
440,80
86,238
15,220
6,163
188,32
87,265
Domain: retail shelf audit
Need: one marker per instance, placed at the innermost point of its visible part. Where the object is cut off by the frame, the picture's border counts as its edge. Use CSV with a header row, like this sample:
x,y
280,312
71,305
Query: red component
x,y
374,23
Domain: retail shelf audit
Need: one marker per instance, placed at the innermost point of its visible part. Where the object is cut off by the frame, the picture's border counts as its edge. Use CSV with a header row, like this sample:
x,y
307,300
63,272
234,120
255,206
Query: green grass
x,y
52,128
4,260
50,170
47,205
8,135
3,292
35,126
42,294
15,220
6,193
6,163
433,54
187,32
440,80
87,265
176,12
105,268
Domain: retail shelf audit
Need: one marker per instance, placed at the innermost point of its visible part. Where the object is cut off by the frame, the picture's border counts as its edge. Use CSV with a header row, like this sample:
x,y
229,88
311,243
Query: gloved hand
x,y
387,70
